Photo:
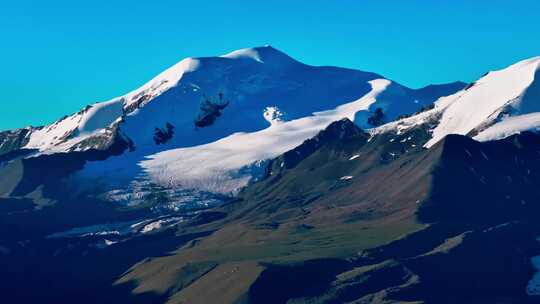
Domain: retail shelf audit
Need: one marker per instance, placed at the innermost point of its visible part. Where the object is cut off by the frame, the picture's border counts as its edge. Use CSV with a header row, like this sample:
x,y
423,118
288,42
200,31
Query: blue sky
x,y
57,56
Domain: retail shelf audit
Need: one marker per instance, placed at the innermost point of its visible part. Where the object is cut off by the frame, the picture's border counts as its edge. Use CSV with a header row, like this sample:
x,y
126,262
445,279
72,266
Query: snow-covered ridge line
x,y
95,119
69,131
486,108
487,98
159,84
244,53
509,126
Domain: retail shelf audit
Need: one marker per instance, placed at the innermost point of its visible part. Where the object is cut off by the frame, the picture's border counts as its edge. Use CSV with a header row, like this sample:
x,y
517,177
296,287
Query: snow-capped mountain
x,y
356,181
237,88
210,123
499,104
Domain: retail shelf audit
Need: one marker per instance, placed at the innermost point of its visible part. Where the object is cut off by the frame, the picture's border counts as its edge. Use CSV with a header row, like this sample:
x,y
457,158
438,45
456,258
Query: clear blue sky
x,y
57,56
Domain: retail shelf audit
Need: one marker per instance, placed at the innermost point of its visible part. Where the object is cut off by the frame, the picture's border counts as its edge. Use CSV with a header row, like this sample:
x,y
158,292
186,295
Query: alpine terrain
x,y
254,178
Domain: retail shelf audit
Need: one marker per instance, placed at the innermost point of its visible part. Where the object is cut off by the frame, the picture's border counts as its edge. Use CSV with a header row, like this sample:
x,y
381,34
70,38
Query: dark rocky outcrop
x,y
163,135
376,118
13,140
339,131
210,110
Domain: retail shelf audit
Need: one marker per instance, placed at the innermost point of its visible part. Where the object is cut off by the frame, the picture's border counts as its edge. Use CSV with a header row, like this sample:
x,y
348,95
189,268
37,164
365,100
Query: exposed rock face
x,y
134,105
162,136
13,140
377,118
210,110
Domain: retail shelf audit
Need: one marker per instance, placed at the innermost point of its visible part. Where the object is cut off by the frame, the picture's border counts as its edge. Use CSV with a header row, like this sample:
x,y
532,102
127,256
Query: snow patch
x,y
273,115
513,91
477,105
248,53
510,126
161,224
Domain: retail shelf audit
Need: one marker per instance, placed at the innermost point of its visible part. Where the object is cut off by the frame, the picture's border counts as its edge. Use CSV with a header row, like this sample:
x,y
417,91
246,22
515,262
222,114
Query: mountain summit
x,y
265,54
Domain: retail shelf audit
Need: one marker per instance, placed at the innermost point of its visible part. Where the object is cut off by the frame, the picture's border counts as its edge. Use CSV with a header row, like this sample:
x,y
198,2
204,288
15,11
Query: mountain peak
x,y
262,54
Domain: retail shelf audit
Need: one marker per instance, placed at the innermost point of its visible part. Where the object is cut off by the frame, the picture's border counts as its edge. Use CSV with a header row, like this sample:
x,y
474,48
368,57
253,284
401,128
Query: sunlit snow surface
x,y
273,103
218,166
499,104
67,132
486,99
509,126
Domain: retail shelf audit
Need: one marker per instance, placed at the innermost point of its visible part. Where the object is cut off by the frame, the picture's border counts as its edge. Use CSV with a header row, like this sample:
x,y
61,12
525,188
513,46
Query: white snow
x,y
273,115
249,88
109,242
248,53
482,103
72,129
510,126
53,134
152,226
65,133
160,224
513,91
221,166
100,115
162,82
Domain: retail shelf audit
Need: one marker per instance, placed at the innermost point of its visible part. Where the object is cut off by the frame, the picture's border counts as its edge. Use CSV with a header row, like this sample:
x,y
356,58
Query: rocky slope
x,y
461,214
